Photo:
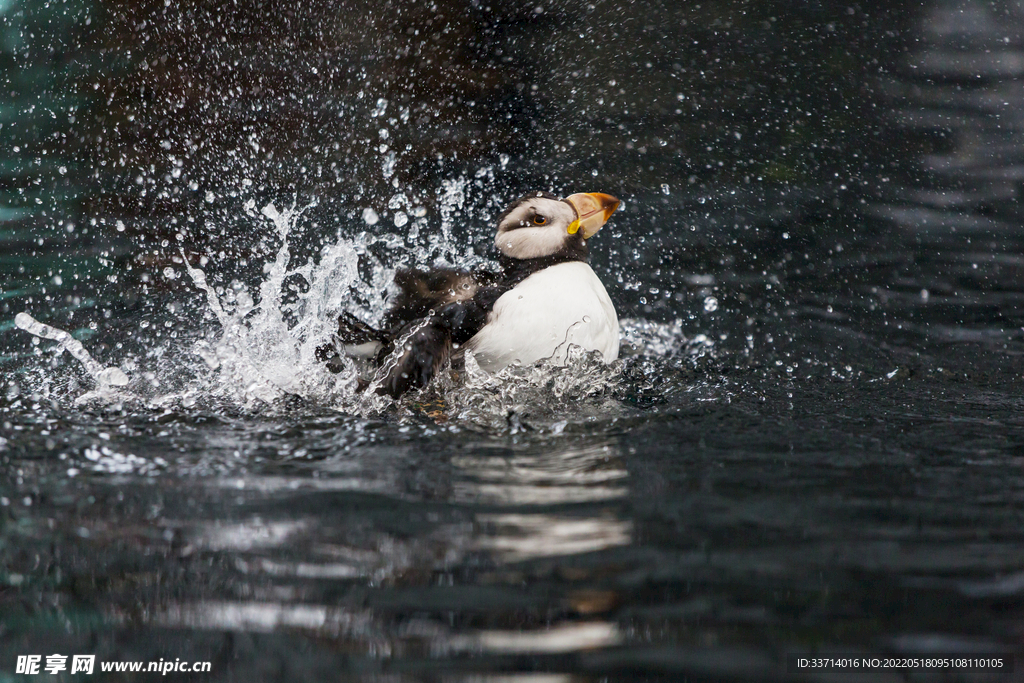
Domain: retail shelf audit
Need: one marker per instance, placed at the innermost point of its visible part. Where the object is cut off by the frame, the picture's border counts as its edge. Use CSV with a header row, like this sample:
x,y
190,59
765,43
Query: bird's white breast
x,y
545,313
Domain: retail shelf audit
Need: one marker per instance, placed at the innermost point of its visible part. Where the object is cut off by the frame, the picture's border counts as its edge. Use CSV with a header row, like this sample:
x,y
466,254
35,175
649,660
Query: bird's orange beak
x,y
593,209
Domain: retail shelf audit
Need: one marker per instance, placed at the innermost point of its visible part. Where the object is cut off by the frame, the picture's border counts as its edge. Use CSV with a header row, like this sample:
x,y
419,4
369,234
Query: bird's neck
x,y
516,270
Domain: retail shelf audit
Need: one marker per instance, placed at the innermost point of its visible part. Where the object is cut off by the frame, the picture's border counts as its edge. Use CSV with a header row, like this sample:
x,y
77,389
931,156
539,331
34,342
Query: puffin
x,y
544,298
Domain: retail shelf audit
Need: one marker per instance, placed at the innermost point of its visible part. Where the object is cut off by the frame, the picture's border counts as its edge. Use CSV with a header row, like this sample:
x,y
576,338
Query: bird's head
x,y
540,224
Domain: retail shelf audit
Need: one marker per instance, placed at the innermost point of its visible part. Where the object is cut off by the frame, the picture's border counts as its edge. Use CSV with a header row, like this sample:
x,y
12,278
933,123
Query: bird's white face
x,y
537,226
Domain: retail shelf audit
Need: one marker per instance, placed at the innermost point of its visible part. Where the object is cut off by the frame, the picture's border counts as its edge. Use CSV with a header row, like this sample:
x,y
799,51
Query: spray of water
x,y
264,347
106,377
257,357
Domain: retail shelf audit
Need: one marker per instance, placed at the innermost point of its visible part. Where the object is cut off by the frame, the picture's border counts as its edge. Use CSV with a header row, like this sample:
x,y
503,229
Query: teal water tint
x,y
51,254
812,440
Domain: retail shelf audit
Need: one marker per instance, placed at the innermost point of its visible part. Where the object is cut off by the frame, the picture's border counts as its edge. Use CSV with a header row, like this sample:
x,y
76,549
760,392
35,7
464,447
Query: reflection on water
x,y
257,616
554,639
518,537
576,474
589,474
331,622
316,560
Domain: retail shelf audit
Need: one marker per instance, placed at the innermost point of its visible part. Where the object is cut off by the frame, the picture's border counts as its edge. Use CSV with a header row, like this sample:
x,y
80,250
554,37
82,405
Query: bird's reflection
x,y
559,476
297,563
517,537
534,482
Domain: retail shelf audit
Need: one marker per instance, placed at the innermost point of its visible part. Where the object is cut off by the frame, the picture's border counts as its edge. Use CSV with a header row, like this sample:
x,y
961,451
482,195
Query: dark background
x,y
166,117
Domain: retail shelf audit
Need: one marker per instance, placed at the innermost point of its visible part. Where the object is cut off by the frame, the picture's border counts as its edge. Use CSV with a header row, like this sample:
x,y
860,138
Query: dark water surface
x,y
813,441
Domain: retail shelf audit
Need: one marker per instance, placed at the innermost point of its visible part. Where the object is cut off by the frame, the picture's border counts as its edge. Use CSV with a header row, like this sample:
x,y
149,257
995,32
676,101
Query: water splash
x,y
538,396
551,397
105,377
264,347
452,200
260,357
650,339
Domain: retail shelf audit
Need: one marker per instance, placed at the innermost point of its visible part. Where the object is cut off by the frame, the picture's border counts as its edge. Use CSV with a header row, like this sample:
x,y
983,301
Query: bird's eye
x,y
539,220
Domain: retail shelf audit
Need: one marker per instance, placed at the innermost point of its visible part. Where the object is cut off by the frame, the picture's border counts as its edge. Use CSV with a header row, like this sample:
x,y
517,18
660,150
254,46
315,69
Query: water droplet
x,y
388,167
169,273
664,188
586,318
401,219
370,217
383,133
711,304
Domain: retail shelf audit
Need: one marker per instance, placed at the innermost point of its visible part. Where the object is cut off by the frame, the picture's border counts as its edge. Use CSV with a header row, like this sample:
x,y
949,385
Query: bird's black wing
x,y
351,331
433,311
421,291
424,346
